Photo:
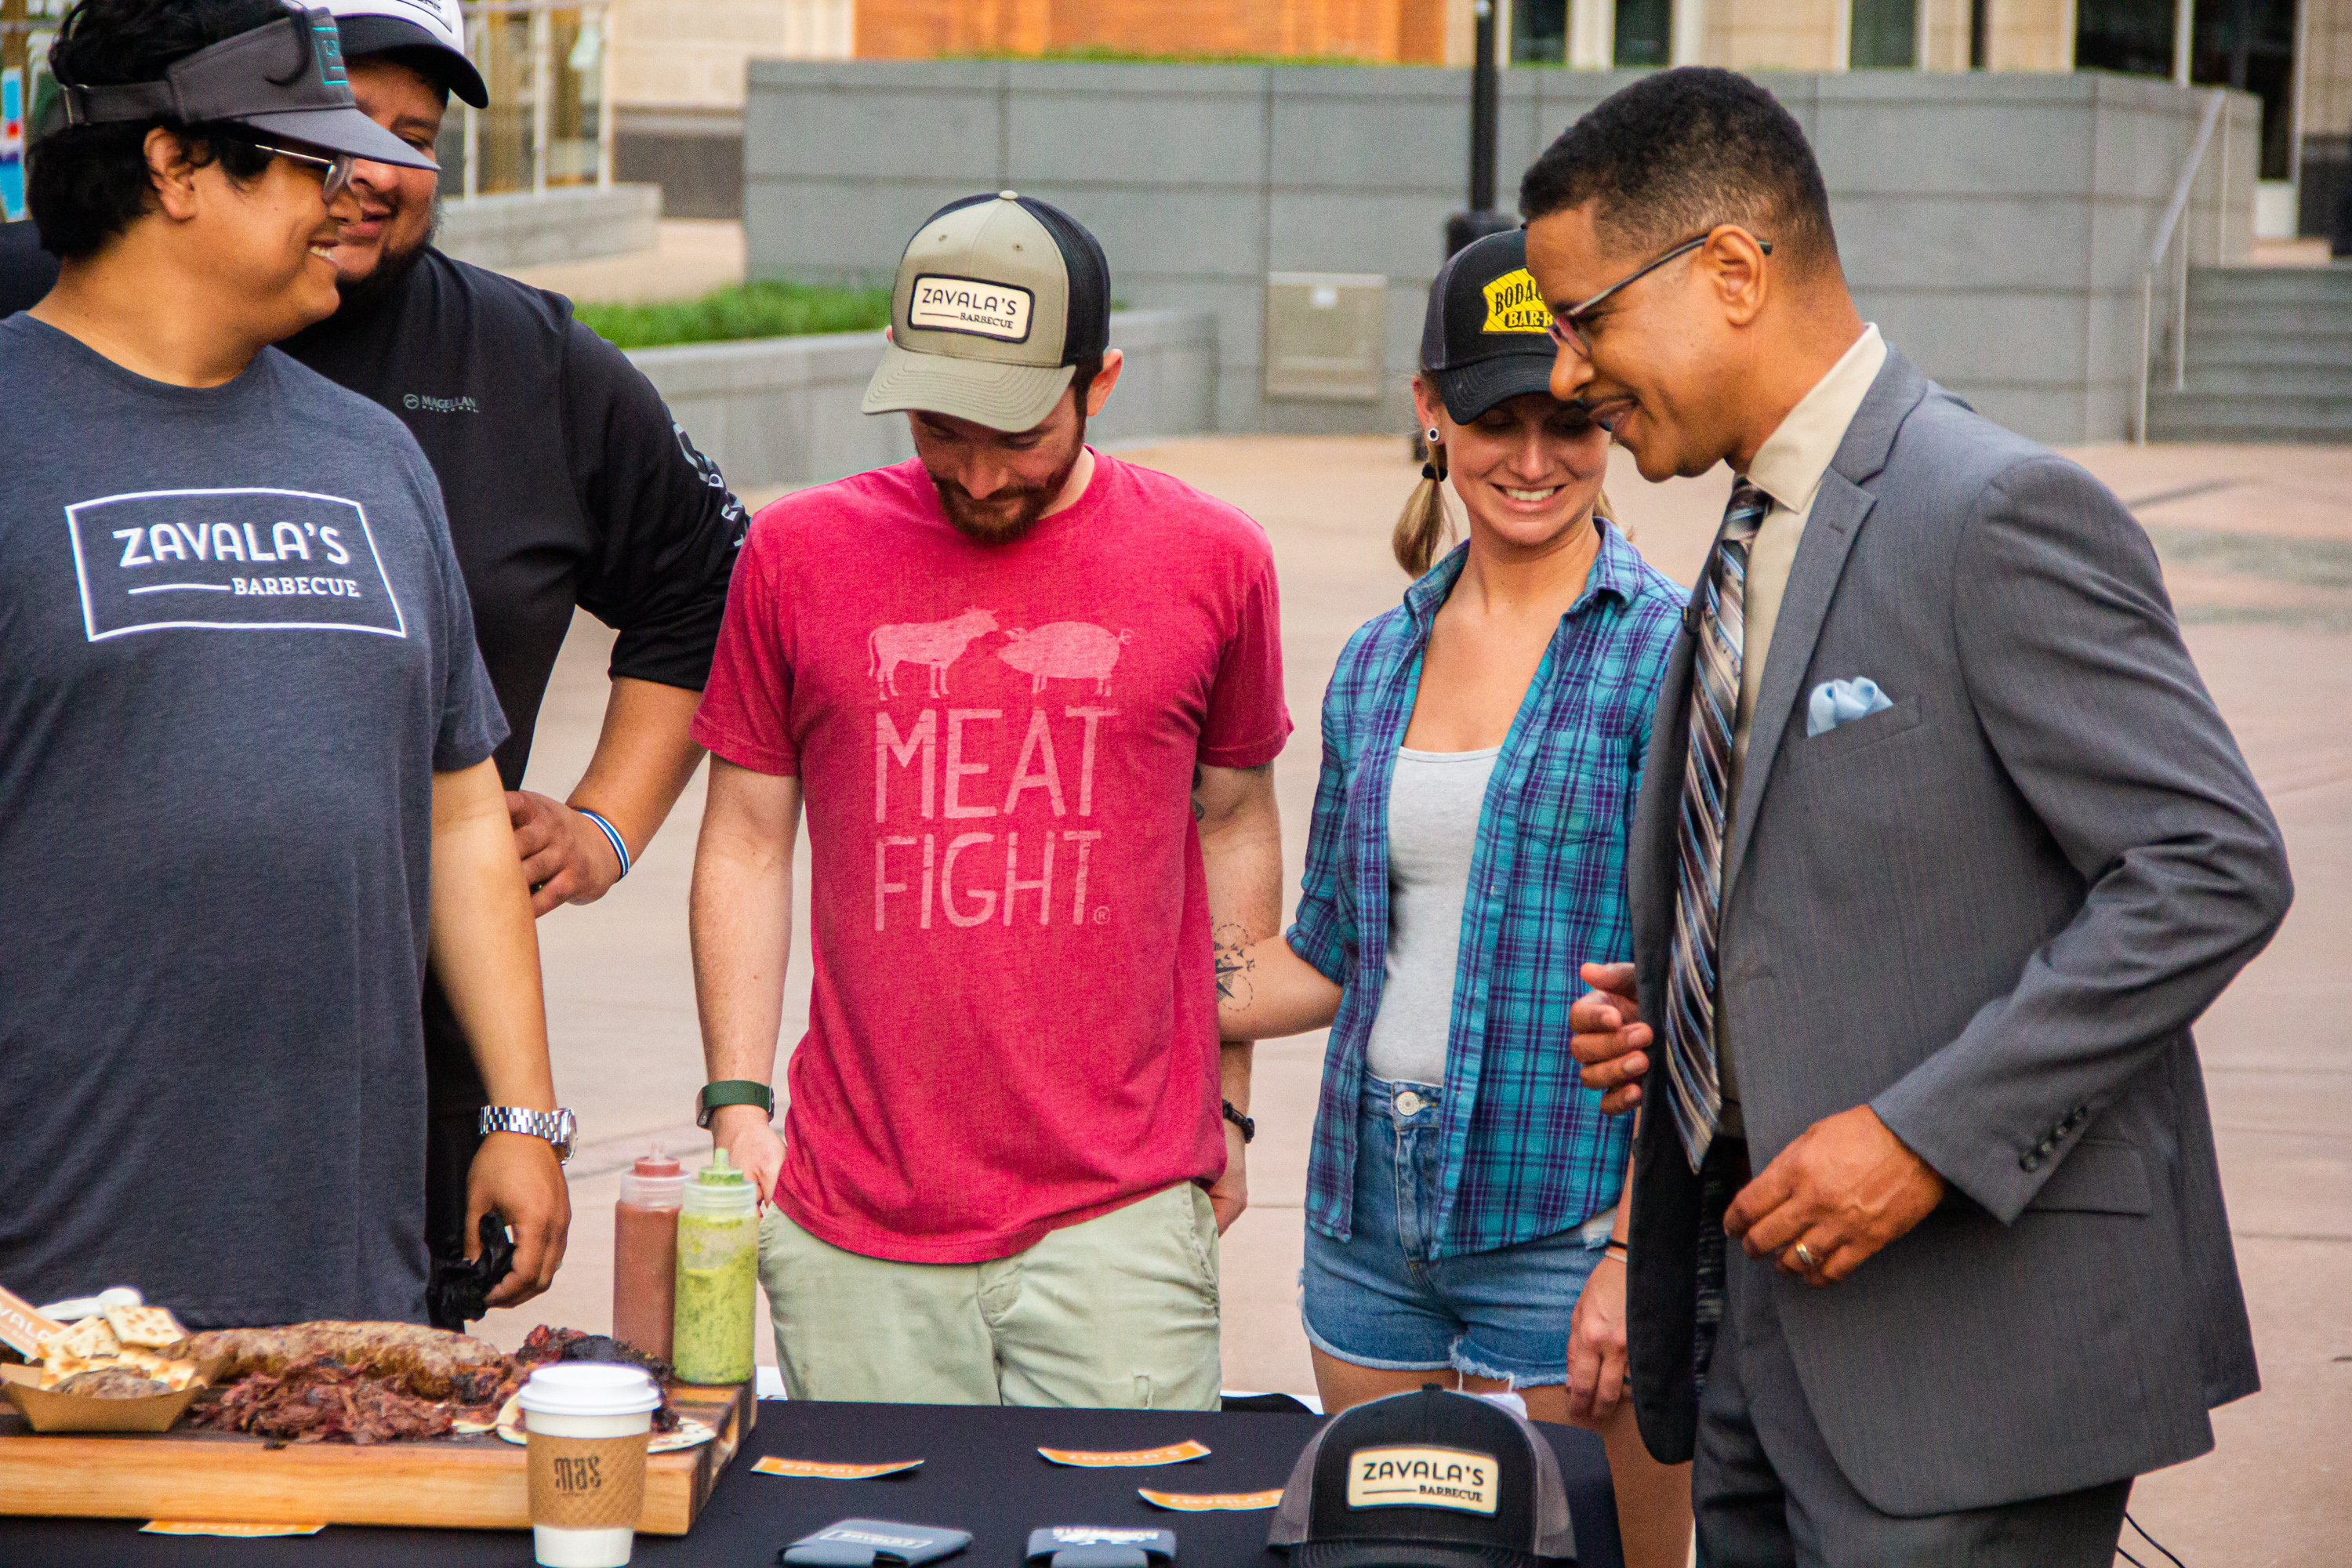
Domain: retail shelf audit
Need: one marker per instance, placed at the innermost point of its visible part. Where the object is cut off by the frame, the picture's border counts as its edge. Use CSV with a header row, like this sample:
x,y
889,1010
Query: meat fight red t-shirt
x,y
1012,1020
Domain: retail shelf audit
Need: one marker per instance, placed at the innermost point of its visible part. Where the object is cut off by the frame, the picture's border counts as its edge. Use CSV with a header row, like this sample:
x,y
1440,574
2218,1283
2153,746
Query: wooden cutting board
x,y
459,1483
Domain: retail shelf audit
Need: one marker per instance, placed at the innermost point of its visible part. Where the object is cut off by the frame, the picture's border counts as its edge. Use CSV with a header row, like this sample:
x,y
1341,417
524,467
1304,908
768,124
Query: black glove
x,y
458,1291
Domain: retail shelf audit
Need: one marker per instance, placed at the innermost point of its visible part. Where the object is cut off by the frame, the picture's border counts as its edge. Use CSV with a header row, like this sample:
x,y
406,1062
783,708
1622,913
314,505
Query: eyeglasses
x,y
1567,330
338,166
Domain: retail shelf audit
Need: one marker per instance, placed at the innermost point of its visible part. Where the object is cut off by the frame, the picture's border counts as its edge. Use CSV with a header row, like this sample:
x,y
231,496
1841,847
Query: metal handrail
x,y
2165,232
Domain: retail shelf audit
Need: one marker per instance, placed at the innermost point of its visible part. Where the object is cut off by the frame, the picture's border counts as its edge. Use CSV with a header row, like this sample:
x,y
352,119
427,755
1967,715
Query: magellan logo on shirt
x,y
1422,1477
237,560
969,305
1513,304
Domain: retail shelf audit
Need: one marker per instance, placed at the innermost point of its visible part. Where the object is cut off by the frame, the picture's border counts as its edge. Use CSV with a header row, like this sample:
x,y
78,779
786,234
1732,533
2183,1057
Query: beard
x,y
392,268
1009,515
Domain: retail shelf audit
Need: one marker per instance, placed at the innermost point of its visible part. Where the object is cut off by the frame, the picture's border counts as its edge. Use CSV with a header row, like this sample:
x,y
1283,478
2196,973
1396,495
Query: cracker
x,y
178,1374
90,1338
153,1327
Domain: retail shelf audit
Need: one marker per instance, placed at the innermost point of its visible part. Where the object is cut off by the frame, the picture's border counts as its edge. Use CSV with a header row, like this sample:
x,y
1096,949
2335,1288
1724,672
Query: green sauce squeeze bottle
x,y
718,1261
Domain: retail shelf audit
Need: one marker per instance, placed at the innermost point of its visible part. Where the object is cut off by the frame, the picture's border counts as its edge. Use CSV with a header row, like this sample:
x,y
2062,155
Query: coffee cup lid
x,y
590,1388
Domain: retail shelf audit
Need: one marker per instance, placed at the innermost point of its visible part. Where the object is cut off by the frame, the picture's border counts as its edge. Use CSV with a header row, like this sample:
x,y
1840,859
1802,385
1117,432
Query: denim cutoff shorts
x,y
1378,1299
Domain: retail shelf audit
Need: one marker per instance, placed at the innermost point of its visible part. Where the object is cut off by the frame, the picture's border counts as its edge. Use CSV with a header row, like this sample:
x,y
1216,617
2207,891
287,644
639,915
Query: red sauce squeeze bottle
x,y
645,1253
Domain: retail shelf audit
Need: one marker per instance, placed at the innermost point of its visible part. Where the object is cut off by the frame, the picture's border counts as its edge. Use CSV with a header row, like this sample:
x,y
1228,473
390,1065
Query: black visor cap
x,y
284,78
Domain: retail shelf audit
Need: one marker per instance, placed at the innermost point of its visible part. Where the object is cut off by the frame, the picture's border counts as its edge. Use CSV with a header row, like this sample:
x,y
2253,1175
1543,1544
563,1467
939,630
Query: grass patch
x,y
769,309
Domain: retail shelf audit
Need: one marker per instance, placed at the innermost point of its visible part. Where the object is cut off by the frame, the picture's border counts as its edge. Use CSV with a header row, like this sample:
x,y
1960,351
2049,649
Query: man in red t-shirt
x,y
1031,697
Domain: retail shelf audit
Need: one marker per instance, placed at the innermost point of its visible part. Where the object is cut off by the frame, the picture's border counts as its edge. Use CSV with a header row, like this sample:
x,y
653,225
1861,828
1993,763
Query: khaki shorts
x,y
1118,1313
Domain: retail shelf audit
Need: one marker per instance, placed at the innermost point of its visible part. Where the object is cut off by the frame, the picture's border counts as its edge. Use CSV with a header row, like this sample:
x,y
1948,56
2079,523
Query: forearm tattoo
x,y
1231,942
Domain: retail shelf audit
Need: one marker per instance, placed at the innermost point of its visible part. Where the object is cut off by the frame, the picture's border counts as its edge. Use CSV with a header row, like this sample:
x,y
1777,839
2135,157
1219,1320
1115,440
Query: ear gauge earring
x,y
1433,434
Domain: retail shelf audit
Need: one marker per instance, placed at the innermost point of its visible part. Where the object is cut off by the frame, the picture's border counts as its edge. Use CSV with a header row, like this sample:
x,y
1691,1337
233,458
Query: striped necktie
x,y
1697,1097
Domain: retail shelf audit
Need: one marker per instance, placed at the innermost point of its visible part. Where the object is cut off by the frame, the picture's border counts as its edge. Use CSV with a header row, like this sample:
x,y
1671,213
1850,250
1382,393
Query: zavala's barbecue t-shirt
x,y
234,650
1013,1019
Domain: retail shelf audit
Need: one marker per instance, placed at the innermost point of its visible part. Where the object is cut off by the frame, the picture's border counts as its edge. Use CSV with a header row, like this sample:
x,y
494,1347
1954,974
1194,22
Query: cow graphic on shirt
x,y
949,764
1066,650
938,644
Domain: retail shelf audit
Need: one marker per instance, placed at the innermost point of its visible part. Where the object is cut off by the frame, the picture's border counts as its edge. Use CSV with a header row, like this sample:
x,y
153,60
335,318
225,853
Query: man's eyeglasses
x,y
1567,329
338,166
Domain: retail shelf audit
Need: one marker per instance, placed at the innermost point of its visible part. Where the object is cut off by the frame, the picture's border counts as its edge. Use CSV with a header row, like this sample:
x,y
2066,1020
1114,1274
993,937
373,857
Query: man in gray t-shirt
x,y
244,740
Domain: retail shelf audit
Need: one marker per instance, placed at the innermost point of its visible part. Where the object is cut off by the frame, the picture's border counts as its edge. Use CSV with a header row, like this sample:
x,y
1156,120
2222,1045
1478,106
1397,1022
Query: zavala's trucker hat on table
x,y
1432,1479
430,34
284,78
1488,336
999,300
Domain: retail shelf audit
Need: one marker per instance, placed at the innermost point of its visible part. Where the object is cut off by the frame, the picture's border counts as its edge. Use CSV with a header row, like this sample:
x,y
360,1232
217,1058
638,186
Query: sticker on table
x,y
1211,1502
232,1531
822,1470
1174,1453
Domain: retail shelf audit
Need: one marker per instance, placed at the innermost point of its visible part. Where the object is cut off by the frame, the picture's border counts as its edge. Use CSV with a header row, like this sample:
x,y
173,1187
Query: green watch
x,y
732,1091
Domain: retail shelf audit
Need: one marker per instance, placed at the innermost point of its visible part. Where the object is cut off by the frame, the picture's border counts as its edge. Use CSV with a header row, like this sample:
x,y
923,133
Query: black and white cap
x,y
430,33
1432,1479
999,298
283,78
1487,337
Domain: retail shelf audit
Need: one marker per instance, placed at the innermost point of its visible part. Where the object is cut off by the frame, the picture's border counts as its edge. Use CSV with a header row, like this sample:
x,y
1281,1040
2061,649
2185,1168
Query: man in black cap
x,y
567,484
247,778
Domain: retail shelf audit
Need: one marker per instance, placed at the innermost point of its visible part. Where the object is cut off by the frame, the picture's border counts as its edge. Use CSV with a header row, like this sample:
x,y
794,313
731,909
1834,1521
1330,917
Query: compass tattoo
x,y
1231,942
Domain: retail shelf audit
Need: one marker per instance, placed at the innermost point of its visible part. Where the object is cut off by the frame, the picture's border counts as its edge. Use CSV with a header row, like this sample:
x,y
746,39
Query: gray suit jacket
x,y
1990,912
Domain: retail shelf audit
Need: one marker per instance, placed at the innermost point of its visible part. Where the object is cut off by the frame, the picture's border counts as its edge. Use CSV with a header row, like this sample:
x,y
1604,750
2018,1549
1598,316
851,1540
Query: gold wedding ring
x,y
1804,1257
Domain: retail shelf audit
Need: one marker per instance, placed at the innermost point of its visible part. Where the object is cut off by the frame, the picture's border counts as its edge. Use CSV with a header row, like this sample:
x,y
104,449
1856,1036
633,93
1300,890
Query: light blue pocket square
x,y
1836,702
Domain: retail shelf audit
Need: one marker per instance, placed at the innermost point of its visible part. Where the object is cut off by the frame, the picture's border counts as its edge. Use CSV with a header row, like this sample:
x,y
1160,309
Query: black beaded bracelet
x,y
1248,1126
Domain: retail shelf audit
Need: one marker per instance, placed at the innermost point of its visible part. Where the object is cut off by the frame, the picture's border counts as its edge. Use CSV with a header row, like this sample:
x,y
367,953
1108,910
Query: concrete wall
x,y
1993,225
784,411
568,224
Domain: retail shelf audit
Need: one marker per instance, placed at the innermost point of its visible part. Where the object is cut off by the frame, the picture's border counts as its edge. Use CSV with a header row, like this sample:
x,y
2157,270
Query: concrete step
x,y
2208,346
2271,286
2273,379
2211,416
2323,318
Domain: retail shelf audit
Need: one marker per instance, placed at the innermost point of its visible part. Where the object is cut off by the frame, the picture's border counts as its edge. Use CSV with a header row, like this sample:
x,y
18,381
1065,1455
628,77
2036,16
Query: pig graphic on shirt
x,y
1065,650
936,644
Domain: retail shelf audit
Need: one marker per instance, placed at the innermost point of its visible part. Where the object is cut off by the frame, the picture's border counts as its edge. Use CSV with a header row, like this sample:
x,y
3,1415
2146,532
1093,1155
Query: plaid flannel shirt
x,y
1527,1153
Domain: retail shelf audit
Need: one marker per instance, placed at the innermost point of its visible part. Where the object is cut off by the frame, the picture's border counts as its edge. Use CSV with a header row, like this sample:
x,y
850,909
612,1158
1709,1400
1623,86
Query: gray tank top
x,y
1435,800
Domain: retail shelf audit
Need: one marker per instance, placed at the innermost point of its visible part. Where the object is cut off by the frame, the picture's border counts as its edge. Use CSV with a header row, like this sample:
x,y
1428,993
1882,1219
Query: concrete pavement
x,y
2257,543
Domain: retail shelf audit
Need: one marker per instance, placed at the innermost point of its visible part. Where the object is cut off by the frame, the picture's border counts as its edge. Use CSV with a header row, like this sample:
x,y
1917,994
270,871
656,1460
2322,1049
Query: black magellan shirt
x,y
567,484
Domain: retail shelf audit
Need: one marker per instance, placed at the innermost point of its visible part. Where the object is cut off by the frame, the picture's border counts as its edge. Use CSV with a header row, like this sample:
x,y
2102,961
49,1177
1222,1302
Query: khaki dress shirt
x,y
1789,468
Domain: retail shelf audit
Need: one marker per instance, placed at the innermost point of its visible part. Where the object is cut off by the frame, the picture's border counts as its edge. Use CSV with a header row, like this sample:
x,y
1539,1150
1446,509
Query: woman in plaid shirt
x,y
1482,755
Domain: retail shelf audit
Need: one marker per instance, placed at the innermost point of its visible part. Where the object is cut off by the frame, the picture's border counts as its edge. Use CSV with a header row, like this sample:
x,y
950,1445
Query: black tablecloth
x,y
981,1473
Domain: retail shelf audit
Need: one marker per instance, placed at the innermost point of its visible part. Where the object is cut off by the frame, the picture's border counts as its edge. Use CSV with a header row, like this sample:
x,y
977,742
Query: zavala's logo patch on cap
x,y
1513,304
971,305
1422,1477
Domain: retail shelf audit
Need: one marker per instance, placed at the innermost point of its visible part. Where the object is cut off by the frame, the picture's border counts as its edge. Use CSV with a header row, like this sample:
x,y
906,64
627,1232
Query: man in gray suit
x,y
1942,847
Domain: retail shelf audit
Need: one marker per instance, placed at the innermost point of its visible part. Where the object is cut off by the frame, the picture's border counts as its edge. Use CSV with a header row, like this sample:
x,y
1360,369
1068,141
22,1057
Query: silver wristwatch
x,y
555,1126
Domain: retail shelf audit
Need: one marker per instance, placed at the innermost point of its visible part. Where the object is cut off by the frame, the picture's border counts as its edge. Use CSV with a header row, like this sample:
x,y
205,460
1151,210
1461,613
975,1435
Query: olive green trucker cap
x,y
999,300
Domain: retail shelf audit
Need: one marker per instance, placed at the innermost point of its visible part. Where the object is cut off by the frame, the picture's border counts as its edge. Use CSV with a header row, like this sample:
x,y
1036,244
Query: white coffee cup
x,y
587,1425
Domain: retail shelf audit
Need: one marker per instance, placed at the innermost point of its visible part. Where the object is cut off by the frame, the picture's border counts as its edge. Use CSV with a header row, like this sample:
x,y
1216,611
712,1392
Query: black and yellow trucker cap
x,y
999,300
1487,337
1432,1479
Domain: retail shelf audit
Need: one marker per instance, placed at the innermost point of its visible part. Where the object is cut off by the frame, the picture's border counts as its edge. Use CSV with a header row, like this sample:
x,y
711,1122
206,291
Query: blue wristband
x,y
611,835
